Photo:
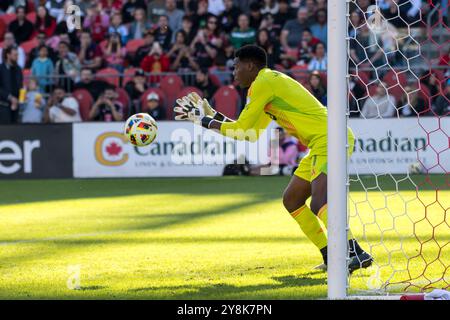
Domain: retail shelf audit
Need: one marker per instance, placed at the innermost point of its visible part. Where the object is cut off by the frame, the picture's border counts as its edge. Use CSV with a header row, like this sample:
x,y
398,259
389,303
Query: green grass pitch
x,y
205,238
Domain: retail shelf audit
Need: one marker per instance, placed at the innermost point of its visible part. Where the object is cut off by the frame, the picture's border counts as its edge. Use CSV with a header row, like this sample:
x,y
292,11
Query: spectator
x,y
255,15
319,29
136,87
431,80
442,104
89,53
87,82
229,17
291,35
116,26
284,13
216,7
44,22
201,15
263,40
42,68
130,7
309,39
10,85
362,51
143,50
111,7
358,93
287,150
243,34
33,108
355,23
268,23
270,6
97,22
187,28
317,88
67,66
156,62
305,50
9,41
153,107
203,83
412,104
61,108
21,27
203,51
179,53
319,60
163,34
140,24
381,105
115,52
55,8
34,53
174,15
107,108
311,7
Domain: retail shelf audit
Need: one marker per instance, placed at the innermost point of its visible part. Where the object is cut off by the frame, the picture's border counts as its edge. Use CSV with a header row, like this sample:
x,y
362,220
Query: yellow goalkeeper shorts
x,y
311,166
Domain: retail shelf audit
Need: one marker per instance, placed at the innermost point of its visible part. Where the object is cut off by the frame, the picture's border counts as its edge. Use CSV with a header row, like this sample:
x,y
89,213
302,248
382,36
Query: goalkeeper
x,y
273,95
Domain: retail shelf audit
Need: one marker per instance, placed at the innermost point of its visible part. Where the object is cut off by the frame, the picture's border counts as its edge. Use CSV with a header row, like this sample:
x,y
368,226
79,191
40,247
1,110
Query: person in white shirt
x,y
62,108
216,7
10,40
381,105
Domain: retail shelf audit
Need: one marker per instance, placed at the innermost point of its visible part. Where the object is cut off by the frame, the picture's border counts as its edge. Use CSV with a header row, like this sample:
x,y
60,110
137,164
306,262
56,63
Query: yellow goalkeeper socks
x,y
323,215
310,226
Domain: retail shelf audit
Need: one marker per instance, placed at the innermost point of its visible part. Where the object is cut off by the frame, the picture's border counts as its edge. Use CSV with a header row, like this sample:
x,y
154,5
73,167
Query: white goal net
x,y
398,199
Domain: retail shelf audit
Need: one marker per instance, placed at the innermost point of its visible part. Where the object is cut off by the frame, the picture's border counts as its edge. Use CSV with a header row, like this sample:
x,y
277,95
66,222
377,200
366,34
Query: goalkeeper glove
x,y
187,110
205,106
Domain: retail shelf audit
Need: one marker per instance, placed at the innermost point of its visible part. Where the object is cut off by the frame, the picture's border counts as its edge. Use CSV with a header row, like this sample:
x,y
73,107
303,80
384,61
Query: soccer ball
x,y
140,129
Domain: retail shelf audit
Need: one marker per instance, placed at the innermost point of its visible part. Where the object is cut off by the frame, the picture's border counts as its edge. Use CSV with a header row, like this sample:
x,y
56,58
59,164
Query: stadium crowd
x,y
131,56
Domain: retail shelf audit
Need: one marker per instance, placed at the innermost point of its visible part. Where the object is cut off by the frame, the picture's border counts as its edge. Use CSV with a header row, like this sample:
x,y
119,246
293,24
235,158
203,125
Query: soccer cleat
x,y
360,261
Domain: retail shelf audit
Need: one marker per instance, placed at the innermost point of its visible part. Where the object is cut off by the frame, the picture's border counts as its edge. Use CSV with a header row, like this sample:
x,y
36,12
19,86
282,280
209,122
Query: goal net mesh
x,y
398,109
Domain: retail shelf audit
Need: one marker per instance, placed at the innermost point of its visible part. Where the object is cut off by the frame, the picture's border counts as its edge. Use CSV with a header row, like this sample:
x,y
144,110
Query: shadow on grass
x,y
223,289
26,191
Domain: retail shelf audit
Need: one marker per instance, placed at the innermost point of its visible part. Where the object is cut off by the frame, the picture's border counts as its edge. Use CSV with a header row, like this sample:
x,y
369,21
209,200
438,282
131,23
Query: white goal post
x,y
388,66
337,149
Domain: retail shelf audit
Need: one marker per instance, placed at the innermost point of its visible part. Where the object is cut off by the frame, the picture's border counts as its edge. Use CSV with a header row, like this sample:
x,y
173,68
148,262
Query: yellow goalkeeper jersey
x,y
274,95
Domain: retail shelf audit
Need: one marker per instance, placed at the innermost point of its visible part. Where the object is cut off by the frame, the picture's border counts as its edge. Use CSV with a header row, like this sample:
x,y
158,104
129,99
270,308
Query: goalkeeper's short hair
x,y
252,53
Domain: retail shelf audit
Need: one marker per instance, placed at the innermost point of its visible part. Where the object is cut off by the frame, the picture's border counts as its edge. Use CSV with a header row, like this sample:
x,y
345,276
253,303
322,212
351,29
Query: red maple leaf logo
x,y
113,149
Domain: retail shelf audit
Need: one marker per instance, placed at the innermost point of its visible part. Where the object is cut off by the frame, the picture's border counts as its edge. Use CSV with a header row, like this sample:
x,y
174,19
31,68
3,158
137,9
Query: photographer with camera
x,y
107,108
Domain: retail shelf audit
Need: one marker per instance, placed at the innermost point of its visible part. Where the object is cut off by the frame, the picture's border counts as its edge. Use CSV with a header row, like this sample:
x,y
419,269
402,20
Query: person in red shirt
x,y
97,22
44,22
155,62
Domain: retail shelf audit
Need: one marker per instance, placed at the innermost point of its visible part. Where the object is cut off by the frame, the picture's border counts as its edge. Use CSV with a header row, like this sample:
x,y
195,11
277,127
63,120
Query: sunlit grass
x,y
177,239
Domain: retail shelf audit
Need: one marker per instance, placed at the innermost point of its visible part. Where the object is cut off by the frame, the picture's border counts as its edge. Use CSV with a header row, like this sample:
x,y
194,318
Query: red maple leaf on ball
x,y
113,149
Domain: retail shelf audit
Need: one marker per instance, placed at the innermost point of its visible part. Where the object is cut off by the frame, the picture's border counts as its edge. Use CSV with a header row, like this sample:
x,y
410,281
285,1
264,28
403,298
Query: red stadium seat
x,y
226,100
3,29
8,18
85,102
159,92
29,45
110,75
171,85
189,89
133,45
300,73
128,75
124,100
31,16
